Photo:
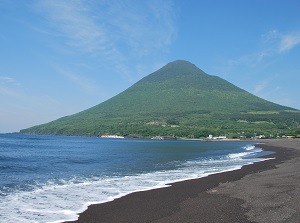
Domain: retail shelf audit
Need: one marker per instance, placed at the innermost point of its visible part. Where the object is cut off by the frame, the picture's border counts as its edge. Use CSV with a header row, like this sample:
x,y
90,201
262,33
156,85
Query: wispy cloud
x,y
273,43
73,20
9,87
8,80
143,26
9,92
260,86
82,82
281,42
289,41
116,32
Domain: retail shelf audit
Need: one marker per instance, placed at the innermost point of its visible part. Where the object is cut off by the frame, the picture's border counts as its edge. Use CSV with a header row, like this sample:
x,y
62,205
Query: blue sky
x,y
59,57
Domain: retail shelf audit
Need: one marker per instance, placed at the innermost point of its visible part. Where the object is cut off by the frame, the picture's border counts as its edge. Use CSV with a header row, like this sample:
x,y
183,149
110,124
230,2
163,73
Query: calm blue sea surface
x,y
53,178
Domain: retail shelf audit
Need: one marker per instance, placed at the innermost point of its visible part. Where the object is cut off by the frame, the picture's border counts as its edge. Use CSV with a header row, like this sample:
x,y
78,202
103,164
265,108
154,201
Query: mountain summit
x,y
178,99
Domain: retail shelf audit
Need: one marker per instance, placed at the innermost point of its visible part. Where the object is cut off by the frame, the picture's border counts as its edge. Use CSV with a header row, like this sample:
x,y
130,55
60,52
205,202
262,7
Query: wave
x,y
249,147
62,200
250,150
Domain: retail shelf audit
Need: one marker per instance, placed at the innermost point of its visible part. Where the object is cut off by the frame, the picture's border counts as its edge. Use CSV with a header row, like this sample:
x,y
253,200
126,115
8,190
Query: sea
x,y
54,178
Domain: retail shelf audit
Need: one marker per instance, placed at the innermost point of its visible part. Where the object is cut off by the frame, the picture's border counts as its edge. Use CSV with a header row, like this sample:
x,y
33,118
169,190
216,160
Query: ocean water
x,y
53,178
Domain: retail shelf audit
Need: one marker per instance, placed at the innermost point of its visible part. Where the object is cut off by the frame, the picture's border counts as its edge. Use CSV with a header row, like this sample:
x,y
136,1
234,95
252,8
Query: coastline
x,y
222,197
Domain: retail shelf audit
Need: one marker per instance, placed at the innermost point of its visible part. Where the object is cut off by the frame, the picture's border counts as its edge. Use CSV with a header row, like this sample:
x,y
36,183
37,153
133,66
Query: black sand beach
x,y
267,191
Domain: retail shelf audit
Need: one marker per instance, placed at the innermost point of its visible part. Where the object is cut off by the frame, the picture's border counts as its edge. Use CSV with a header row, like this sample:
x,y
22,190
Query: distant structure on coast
x,y
112,137
210,137
164,137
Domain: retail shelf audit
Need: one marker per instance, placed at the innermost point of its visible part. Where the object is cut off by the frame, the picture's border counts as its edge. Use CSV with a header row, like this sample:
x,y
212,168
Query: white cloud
x,y
144,26
281,42
8,87
8,80
289,41
251,60
72,19
273,43
102,25
270,36
117,33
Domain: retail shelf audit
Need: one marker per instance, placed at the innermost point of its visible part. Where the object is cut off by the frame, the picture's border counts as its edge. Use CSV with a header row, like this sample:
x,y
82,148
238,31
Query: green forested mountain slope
x,y
178,99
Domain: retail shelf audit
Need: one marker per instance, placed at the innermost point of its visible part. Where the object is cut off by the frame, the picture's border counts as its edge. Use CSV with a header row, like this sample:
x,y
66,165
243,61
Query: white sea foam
x,y
250,150
238,155
56,202
249,147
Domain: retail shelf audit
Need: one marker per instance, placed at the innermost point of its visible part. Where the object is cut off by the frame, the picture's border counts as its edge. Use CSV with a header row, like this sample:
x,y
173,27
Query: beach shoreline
x,y
222,197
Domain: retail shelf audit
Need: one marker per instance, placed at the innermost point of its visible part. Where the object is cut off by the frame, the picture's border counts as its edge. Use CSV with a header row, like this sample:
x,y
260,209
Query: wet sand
x,y
267,191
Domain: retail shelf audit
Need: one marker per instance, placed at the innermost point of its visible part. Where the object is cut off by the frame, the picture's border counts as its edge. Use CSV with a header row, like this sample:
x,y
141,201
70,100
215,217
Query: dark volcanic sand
x,y
267,191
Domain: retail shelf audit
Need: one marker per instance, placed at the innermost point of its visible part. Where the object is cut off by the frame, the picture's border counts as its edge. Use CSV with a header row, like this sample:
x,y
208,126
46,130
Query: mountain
x,y
178,99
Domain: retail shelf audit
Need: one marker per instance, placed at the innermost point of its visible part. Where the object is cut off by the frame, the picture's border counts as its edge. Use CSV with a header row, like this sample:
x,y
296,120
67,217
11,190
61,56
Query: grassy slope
x,y
177,99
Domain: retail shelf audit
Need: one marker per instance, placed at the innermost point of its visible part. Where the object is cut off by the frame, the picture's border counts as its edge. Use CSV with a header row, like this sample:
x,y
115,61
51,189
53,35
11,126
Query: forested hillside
x,y
179,100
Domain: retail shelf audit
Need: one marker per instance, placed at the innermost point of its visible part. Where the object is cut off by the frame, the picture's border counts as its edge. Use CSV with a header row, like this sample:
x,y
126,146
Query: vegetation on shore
x,y
181,100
